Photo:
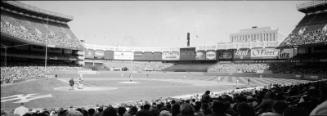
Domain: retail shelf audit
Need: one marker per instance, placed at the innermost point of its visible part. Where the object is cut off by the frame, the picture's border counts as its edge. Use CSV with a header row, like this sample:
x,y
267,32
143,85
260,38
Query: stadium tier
x,y
37,31
312,29
35,43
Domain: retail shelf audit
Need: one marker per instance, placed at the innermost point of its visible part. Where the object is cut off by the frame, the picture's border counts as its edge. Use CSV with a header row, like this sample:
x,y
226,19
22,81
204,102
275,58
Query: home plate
x,y
85,89
129,82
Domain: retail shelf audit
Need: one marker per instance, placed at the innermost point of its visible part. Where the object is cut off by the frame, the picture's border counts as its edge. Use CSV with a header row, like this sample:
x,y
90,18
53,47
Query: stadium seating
x,y
275,68
279,100
238,67
21,72
137,65
292,68
311,29
35,31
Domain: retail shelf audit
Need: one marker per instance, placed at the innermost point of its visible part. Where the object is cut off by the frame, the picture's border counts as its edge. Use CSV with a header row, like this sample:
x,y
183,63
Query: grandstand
x,y
35,42
288,80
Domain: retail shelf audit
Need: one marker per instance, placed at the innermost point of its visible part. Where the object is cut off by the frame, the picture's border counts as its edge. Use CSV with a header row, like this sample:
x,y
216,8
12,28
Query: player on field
x,y
71,83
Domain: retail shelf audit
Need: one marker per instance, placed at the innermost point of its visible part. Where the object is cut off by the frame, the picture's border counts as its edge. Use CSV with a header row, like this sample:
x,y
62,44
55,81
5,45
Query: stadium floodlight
x,y
6,48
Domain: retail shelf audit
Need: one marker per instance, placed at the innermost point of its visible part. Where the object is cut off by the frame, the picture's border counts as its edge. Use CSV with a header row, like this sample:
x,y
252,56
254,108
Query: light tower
x,y
188,39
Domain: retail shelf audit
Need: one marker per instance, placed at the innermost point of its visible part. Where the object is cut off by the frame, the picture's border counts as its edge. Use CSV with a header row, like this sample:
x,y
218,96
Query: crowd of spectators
x,y
138,66
36,32
292,68
277,100
18,73
238,67
151,66
306,37
12,74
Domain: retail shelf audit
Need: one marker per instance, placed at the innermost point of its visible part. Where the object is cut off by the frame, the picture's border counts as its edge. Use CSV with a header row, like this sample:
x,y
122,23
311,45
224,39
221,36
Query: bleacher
x,y
136,65
239,67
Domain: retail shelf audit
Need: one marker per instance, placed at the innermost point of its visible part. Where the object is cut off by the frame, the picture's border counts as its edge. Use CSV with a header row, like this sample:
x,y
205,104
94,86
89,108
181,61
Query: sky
x,y
165,23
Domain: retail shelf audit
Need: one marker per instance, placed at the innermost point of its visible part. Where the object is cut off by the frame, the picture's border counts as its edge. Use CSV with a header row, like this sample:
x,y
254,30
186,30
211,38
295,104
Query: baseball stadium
x,y
46,70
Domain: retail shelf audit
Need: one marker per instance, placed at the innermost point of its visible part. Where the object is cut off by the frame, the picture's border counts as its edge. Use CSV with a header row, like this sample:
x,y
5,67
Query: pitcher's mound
x,y
85,89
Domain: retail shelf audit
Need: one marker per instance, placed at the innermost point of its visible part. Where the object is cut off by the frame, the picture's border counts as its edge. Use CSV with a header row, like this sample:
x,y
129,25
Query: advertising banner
x,y
187,53
211,55
225,54
286,53
242,54
157,56
148,56
98,54
264,53
200,55
89,53
108,55
170,55
138,55
123,55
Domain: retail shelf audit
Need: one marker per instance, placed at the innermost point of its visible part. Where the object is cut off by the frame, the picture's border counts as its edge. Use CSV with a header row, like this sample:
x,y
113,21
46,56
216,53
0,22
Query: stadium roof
x,y
312,6
36,11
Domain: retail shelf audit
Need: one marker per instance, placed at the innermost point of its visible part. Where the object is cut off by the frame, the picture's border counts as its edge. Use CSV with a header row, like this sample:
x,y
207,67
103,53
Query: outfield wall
x,y
200,55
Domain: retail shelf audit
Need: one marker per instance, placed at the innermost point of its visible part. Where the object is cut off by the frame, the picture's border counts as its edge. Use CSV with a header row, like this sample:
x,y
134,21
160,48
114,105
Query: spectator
x,y
110,111
121,111
145,111
277,109
91,112
206,97
21,110
245,110
132,111
197,108
186,110
219,109
165,113
175,109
